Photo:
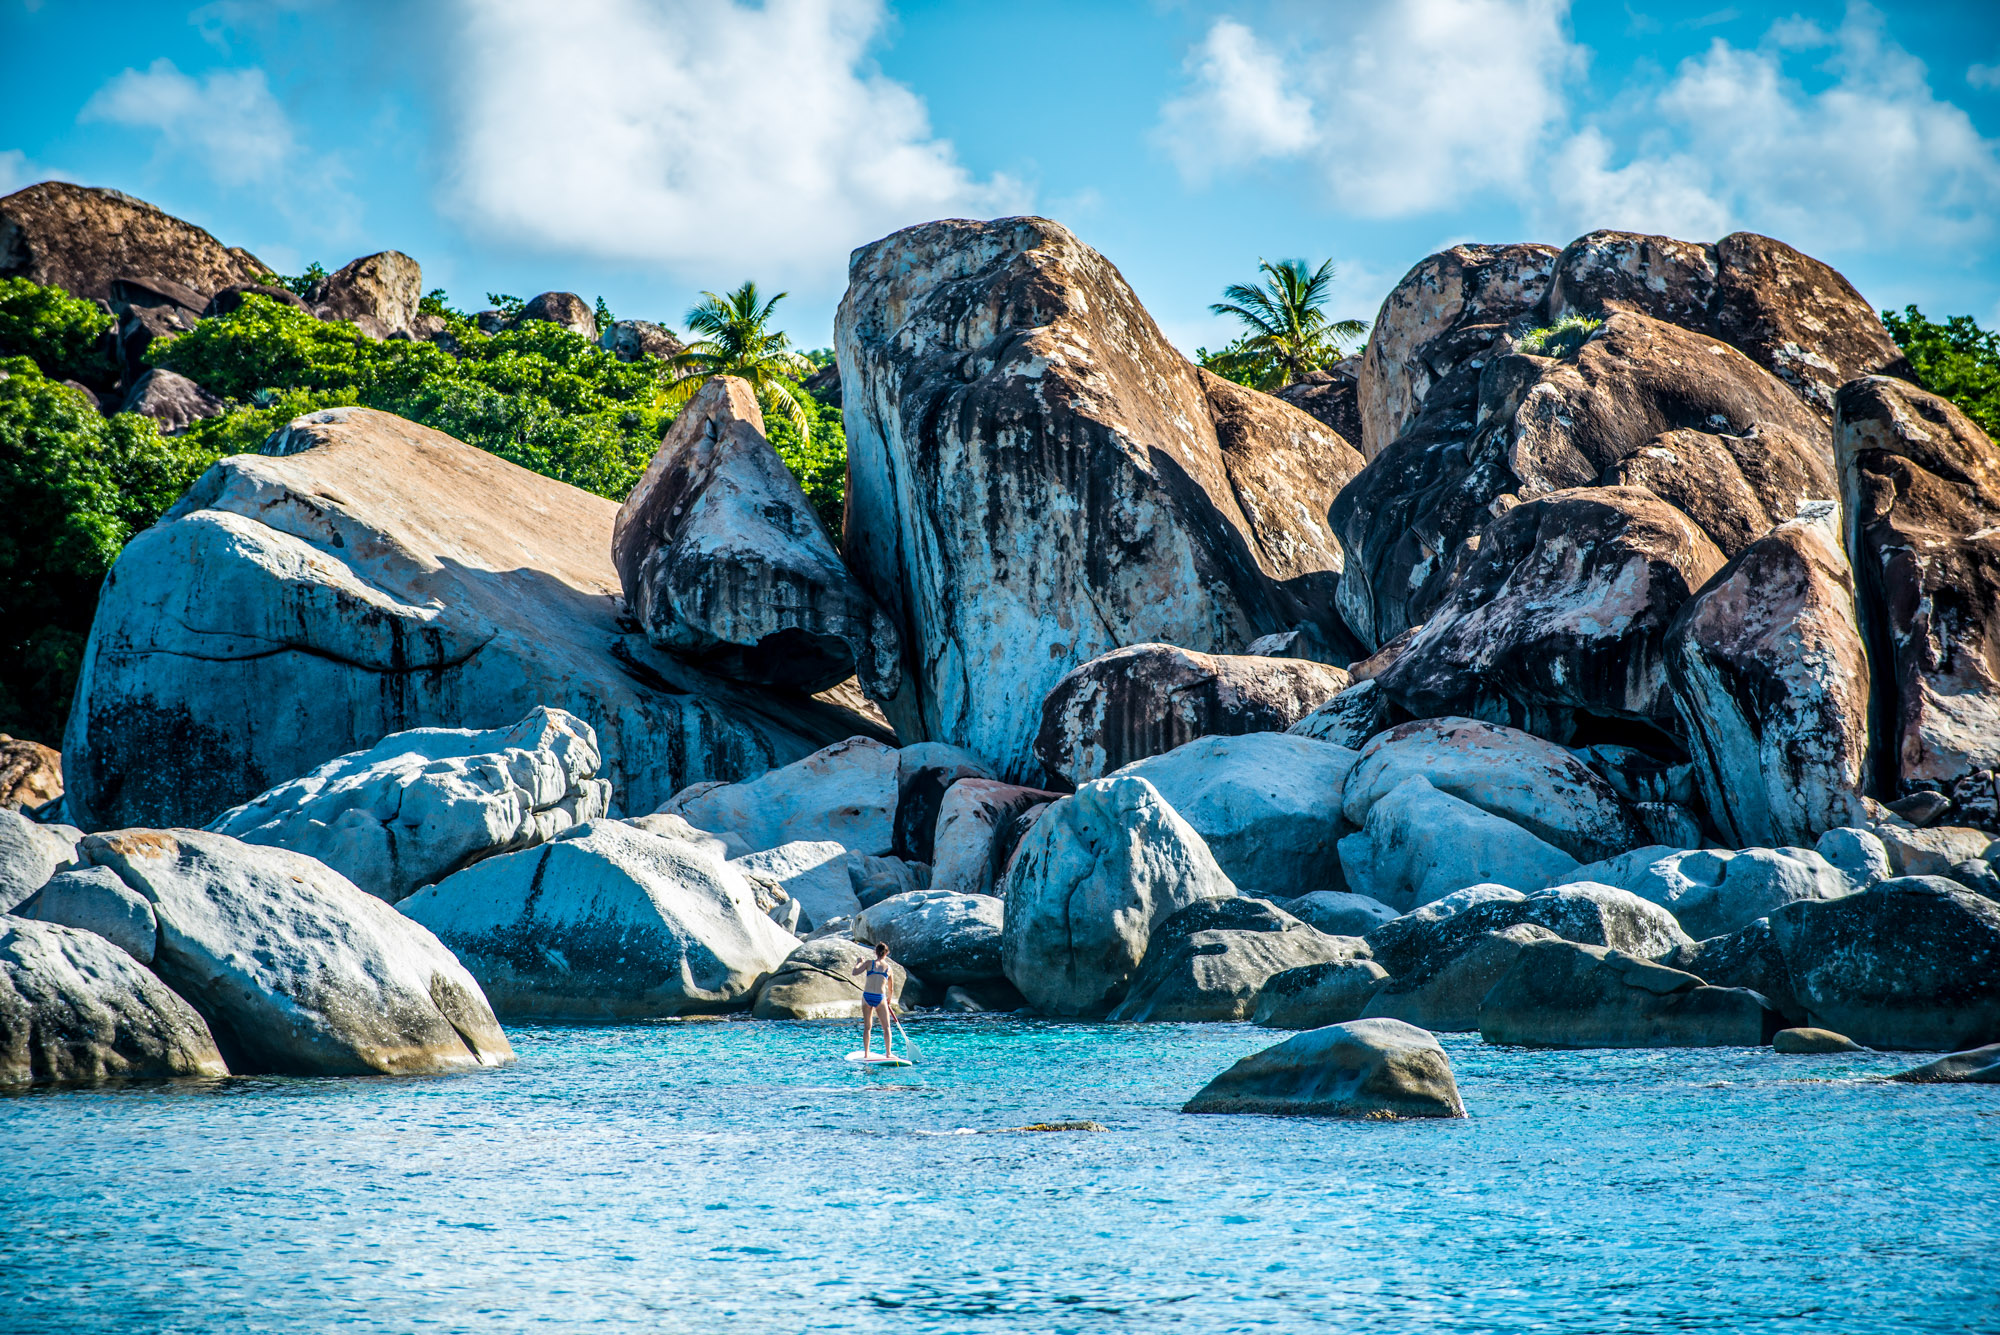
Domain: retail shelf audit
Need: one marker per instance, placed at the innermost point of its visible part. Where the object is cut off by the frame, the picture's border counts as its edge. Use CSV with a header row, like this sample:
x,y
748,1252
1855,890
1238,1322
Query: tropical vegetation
x,y
738,340
1287,334
1564,338
1956,359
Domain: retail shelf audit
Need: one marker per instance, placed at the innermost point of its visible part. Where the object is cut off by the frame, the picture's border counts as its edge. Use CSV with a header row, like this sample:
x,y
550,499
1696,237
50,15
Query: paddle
x,y
909,1048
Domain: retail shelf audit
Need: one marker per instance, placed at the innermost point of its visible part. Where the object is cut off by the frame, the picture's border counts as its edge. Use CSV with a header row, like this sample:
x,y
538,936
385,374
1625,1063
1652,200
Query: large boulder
x,y
1794,316
723,560
1560,994
377,294
1366,1068
1535,784
1920,488
74,1008
1770,679
565,309
365,576
1210,960
30,773
1316,995
1419,943
83,240
1037,477
1445,992
1713,891
817,982
976,832
173,401
941,936
1979,1066
1339,913
607,923
816,874
925,772
1331,396
1348,719
94,899
1908,963
1563,611
844,793
1268,805
296,970
29,855
1094,876
1419,845
1149,699
639,340
419,805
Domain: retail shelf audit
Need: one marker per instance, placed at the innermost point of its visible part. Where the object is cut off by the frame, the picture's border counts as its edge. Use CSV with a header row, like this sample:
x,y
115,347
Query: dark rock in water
x,y
1807,1042
1149,699
1445,992
1563,612
377,294
82,240
1037,477
173,401
941,936
410,579
606,923
563,308
1216,974
1908,963
1560,994
1920,487
1315,995
639,340
724,562
1365,1068
1770,680
230,299
74,1008
1331,396
1979,1066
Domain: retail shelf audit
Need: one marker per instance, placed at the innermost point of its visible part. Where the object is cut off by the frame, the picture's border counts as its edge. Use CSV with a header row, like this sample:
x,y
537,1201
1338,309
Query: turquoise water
x,y
737,1176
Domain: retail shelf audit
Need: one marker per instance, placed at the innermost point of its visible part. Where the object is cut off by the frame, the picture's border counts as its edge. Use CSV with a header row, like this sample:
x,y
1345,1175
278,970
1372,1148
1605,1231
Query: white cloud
x,y
718,139
1873,159
1983,77
1239,108
1400,108
228,119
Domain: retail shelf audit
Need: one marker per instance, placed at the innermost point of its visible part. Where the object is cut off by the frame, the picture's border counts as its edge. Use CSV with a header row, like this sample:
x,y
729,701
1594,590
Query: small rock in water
x,y
1366,1068
1801,1041
1979,1066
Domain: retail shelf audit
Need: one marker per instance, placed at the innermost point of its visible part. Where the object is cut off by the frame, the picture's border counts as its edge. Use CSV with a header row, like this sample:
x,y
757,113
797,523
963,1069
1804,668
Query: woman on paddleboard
x,y
878,995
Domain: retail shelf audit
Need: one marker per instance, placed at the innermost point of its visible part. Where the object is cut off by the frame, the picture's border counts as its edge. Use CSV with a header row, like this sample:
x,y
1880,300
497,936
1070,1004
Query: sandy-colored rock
x,y
377,294
976,833
30,773
82,240
1804,1042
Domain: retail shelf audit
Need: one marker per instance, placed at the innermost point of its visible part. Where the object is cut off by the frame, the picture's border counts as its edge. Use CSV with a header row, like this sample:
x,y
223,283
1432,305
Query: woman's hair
x,y
881,950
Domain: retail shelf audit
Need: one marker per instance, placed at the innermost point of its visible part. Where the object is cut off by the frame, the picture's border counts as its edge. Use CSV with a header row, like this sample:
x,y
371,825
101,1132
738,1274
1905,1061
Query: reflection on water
x,y
742,1177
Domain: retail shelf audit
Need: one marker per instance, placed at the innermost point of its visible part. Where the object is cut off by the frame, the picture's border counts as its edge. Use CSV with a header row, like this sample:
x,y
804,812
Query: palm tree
x,y
740,342
1288,328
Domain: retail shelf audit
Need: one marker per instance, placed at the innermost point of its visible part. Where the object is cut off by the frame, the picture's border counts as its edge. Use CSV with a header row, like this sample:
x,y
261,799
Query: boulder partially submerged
x,y
1561,994
1365,1068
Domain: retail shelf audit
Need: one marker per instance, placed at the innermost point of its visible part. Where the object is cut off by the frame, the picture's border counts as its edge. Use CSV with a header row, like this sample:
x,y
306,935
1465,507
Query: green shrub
x,y
1564,338
1956,359
61,334
818,461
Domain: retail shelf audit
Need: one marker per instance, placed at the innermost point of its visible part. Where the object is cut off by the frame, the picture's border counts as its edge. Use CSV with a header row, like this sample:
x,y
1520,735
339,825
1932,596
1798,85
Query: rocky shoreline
x,y
1642,691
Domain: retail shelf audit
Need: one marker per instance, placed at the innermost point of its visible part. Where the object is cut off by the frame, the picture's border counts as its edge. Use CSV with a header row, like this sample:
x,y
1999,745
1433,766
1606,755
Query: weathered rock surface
x,y
1331,396
1935,851
295,970
1149,699
1859,854
74,1008
1366,1068
173,401
230,298
1093,878
1268,805
1419,844
29,855
30,773
1339,913
1594,915
1560,994
1713,891
1735,488
82,240
1804,1042
817,982
367,576
639,340
1349,719
1209,961
1980,1066
1920,489
970,844
1445,992
377,294
723,560
93,899
941,936
420,805
1317,995
1037,477
1535,784
844,793
1908,963
1770,679
818,875
925,771
1563,611
566,309
605,923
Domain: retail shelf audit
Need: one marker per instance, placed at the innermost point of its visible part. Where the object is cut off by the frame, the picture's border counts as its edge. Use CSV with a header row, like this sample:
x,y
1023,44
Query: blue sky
x,y
644,150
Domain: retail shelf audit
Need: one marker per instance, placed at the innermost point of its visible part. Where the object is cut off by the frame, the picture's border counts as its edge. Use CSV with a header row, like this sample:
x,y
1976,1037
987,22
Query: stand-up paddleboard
x,y
877,1059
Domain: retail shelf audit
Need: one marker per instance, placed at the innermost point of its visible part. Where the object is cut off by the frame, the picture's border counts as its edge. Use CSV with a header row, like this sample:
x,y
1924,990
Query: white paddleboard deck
x,y
877,1059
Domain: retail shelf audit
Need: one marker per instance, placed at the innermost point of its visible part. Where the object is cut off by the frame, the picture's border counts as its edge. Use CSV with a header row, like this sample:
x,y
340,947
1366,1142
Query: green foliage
x,y
1564,338
1243,364
506,303
817,456
605,319
434,302
61,334
740,342
1288,332
1956,360
301,284
74,486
